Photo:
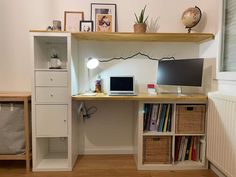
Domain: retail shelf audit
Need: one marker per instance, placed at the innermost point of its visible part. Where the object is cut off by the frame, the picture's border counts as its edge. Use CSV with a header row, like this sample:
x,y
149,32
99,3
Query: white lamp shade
x,y
92,63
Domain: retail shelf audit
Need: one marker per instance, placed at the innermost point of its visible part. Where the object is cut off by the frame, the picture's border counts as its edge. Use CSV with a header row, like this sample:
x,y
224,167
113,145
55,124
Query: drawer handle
x,y
51,95
64,120
51,79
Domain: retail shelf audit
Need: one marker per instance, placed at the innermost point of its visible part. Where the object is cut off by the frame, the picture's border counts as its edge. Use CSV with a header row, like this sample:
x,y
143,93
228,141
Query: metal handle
x,y
51,79
51,95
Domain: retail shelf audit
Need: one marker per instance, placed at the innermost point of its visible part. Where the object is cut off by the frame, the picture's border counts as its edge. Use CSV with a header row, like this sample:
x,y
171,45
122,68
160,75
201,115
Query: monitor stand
x,y
179,90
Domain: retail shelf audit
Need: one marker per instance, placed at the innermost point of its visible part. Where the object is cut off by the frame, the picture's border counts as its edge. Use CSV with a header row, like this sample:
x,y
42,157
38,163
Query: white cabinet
x,y
51,104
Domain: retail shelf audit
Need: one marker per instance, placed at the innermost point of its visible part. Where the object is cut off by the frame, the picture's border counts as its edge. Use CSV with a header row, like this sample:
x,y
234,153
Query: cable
x,y
136,54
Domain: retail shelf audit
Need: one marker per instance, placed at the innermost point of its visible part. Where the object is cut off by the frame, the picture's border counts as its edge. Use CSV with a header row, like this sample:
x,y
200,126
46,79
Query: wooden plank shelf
x,y
146,37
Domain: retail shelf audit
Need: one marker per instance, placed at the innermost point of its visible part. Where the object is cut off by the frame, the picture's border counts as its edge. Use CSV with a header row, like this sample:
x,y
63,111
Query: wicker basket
x,y
157,150
190,119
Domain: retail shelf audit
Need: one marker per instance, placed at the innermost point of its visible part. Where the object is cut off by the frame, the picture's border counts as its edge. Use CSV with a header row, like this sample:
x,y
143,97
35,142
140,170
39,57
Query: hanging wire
x,y
136,54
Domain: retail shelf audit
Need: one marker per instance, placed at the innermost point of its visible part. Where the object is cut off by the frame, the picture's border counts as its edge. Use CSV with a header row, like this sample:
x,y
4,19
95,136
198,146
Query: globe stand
x,y
189,29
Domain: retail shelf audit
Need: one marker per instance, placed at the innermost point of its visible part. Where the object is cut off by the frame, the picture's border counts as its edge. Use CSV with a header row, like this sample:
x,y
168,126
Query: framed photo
x,y
72,21
104,17
86,26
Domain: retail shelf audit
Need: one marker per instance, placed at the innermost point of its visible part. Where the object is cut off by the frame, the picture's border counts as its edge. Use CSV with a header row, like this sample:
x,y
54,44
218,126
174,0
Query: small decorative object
x,y
140,26
104,17
86,26
98,86
191,17
72,21
55,62
151,89
56,25
49,28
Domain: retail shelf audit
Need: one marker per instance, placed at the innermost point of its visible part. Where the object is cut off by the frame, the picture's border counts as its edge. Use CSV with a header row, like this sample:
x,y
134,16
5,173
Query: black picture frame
x,y
86,26
104,17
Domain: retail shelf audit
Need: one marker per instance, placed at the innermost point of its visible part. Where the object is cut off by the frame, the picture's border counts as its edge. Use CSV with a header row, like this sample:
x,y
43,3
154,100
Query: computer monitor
x,y
181,72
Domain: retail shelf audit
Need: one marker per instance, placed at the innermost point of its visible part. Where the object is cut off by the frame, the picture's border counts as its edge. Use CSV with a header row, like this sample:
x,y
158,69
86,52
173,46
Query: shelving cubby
x,y
178,147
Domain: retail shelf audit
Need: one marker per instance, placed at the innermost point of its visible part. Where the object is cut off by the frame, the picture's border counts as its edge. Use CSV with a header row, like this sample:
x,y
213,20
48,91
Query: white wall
x,y
18,17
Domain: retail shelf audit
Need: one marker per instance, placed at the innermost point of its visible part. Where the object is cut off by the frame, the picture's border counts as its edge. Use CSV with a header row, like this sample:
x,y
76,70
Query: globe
x,y
191,17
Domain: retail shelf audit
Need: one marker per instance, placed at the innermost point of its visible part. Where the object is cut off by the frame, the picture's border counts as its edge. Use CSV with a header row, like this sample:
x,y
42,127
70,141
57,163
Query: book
x,y
191,149
181,148
149,113
177,147
162,118
146,110
184,149
166,118
188,148
153,123
169,119
194,151
158,116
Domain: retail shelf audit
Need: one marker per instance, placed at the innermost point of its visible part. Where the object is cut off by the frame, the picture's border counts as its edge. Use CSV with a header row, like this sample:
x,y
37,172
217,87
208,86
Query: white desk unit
x,y
52,122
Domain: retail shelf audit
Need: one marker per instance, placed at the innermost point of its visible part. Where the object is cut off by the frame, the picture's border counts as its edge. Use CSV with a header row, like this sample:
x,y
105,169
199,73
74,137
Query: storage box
x,y
157,149
190,119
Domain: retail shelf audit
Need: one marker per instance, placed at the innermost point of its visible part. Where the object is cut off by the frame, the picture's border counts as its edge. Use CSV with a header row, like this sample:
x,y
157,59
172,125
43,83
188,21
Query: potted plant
x,y
140,25
55,62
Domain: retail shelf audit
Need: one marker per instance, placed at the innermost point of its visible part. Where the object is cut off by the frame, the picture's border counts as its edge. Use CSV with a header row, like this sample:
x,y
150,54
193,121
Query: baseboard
x,y
108,150
216,171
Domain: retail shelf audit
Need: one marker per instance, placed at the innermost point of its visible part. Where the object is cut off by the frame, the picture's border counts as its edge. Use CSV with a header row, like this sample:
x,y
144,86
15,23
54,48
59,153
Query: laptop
x,y
122,86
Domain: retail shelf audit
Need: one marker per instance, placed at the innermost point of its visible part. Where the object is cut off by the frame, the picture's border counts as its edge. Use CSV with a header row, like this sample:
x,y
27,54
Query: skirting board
x,y
108,150
216,171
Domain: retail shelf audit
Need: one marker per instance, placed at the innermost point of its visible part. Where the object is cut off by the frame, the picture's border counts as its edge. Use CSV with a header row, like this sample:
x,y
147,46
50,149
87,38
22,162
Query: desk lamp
x,y
91,64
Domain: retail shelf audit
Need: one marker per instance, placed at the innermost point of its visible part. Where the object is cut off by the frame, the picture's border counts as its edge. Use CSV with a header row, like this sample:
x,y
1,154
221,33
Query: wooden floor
x,y
99,166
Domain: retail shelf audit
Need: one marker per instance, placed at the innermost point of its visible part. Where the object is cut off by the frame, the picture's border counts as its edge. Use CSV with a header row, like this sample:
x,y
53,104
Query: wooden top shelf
x,y
129,36
147,37
145,97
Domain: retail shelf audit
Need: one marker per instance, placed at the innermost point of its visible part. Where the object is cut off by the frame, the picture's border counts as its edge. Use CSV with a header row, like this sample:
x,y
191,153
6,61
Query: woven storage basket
x,y
157,150
190,119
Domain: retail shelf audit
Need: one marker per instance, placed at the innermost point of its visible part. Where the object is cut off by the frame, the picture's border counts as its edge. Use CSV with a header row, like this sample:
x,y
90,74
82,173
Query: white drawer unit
x,y
51,95
51,78
51,120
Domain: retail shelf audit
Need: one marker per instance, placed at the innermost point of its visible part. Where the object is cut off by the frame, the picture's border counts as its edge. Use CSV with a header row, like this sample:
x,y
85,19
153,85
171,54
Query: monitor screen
x,y
121,83
184,72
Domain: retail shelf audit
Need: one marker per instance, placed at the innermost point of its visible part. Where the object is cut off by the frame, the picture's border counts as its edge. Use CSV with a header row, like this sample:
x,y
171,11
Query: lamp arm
x,y
134,55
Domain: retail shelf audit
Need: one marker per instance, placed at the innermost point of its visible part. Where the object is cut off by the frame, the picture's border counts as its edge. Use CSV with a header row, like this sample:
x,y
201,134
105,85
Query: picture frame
x,y
72,21
104,17
86,26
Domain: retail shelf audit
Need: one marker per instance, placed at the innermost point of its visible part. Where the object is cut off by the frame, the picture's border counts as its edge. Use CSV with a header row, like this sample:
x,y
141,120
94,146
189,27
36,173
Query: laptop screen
x,y
122,83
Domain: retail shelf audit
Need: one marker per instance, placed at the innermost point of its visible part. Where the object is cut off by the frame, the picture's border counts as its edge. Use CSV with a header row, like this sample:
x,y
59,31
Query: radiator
x,y
221,133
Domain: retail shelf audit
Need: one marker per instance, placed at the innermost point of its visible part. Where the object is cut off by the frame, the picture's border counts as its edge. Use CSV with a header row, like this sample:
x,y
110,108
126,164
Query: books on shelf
x,y
189,148
157,117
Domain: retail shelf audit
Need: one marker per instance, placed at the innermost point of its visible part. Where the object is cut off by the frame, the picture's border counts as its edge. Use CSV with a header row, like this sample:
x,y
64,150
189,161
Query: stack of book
x,y
157,117
187,148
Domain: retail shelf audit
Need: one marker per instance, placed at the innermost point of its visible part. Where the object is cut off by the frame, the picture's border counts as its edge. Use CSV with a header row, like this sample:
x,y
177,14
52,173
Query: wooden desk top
x,y
145,97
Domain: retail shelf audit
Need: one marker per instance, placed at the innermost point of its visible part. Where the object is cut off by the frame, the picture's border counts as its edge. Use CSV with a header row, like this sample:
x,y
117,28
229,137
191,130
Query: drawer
x,y
51,94
47,78
51,120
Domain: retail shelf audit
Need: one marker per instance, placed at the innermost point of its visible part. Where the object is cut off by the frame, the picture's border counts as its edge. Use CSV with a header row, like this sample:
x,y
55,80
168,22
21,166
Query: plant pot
x,y
140,27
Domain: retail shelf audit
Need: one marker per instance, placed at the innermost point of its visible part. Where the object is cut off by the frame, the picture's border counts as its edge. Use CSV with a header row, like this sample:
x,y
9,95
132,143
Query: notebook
x,y
122,85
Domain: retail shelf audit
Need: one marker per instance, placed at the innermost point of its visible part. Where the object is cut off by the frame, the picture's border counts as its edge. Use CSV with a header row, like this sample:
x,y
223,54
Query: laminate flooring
x,y
99,166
